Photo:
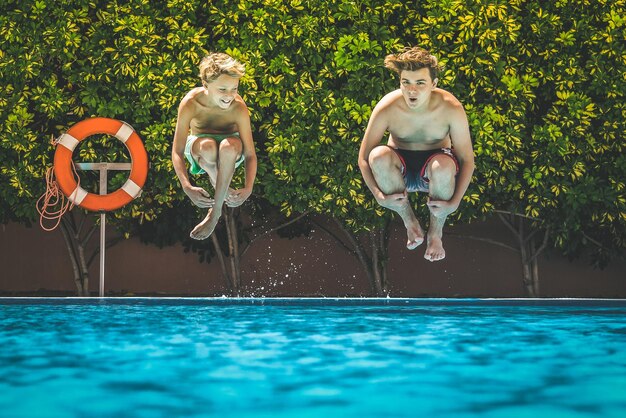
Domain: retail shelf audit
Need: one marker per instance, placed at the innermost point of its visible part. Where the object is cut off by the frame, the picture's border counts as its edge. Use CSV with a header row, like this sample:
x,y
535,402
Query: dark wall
x,y
36,262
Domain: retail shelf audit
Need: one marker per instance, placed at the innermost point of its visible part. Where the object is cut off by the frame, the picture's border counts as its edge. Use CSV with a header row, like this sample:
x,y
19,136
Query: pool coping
x,y
331,301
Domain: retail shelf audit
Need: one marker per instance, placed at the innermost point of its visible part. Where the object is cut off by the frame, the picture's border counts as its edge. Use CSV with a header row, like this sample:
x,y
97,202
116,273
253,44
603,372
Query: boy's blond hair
x,y
217,63
413,59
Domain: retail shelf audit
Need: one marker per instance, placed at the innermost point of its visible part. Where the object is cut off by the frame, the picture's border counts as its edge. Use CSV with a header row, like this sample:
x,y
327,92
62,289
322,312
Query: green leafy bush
x,y
542,84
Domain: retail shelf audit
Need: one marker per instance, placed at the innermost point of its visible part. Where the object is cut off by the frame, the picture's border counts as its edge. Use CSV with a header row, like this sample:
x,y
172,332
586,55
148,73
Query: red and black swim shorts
x,y
414,164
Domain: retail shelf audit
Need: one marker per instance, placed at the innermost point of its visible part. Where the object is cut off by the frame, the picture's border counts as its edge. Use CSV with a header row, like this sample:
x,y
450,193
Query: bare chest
x,y
204,121
426,130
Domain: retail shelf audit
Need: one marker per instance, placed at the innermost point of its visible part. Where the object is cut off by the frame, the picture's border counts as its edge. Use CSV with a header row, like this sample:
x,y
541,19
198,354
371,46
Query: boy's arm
x,y
198,195
374,132
249,153
462,143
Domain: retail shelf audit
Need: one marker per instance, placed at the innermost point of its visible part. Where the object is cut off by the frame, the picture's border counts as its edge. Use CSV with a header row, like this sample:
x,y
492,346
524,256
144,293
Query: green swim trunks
x,y
195,167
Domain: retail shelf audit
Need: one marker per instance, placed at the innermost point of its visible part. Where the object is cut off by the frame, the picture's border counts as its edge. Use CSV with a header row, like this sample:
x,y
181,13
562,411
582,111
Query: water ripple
x,y
282,360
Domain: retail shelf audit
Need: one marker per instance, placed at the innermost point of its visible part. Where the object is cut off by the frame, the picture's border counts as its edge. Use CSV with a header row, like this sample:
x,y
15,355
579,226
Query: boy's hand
x,y
199,197
393,201
441,208
237,197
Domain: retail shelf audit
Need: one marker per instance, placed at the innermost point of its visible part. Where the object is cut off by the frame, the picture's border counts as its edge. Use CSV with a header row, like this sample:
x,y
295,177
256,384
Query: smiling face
x,y
416,86
222,90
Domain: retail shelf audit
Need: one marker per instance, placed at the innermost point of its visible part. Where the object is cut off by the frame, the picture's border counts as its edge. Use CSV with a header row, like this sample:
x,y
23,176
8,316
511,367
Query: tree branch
x,y
220,257
231,234
339,240
110,243
508,212
541,247
303,214
508,223
358,248
81,224
531,235
600,245
84,242
67,237
487,240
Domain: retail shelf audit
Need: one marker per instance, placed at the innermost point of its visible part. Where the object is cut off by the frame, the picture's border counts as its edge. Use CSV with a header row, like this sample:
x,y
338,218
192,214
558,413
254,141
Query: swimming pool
x,y
312,357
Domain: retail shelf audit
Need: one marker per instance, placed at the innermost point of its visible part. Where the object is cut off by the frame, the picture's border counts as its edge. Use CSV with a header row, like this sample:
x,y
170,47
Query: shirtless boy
x,y
213,133
429,148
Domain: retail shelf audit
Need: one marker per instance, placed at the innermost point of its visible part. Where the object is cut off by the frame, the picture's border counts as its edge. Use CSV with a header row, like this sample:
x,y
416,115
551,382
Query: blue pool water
x,y
312,358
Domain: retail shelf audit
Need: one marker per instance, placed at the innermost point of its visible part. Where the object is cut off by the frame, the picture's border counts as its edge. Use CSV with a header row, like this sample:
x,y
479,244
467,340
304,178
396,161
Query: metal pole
x,y
103,169
103,191
102,250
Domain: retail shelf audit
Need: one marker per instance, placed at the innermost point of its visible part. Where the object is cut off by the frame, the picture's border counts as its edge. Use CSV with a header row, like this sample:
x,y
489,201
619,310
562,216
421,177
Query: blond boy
x,y
213,133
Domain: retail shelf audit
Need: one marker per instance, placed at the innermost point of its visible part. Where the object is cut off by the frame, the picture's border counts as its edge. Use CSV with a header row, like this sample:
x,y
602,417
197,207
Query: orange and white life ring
x,y
65,175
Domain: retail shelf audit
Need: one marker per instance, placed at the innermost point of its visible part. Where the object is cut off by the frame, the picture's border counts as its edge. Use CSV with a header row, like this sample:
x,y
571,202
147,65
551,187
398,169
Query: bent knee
x,y
205,148
382,158
441,168
230,147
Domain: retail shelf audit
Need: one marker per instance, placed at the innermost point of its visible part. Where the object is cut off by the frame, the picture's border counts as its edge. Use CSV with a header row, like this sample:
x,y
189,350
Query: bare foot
x,y
205,228
415,236
434,249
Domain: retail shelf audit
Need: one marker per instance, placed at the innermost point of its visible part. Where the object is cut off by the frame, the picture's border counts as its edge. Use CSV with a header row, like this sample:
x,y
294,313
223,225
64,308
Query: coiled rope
x,y
52,198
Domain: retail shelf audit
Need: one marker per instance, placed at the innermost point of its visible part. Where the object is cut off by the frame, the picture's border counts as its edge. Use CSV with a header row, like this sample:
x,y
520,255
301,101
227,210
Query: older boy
x,y
213,133
429,148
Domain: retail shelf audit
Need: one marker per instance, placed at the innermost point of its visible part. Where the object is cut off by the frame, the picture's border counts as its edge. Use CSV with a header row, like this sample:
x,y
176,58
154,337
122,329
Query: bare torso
x,y
418,117
206,119
424,130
